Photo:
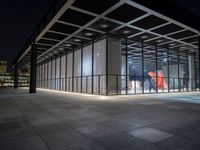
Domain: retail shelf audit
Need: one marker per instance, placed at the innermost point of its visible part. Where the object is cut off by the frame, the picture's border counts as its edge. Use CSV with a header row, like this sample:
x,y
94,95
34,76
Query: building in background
x,y
114,47
3,66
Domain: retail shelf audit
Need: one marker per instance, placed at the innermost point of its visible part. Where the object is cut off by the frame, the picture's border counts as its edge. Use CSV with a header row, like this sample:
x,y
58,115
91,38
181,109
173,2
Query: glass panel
x,y
63,71
134,67
69,71
173,70
58,73
53,74
77,71
87,69
114,65
162,64
49,74
100,67
150,82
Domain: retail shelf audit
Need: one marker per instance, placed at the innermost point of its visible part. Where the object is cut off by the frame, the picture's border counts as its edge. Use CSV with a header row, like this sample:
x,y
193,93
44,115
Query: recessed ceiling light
x,y
104,25
89,34
126,31
61,49
68,45
77,40
144,37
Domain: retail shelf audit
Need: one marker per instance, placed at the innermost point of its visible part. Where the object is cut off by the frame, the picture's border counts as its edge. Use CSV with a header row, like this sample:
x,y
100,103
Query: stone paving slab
x,y
51,120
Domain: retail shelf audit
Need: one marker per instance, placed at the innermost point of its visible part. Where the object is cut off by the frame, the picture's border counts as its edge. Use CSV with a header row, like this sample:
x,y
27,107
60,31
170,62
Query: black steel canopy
x,y
70,24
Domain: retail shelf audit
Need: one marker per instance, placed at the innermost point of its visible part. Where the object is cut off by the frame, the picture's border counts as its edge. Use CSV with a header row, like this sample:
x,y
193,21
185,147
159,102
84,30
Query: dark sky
x,y
18,18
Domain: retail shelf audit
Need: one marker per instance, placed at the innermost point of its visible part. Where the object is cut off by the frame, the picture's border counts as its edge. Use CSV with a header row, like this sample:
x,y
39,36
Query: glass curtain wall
x,y
113,65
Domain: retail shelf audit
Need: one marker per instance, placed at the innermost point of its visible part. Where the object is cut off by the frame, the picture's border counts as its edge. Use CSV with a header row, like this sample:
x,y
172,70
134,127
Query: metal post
x,y
107,92
73,71
16,76
195,75
47,74
55,73
60,87
142,68
92,67
168,77
32,88
156,51
199,60
127,66
187,72
178,57
51,74
81,69
66,83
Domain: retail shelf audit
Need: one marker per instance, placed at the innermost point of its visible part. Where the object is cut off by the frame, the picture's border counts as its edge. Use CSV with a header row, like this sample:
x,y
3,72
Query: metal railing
x,y
120,84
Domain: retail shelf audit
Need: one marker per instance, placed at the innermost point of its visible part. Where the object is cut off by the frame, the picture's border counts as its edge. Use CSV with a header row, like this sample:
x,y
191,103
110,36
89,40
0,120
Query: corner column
x,y
32,88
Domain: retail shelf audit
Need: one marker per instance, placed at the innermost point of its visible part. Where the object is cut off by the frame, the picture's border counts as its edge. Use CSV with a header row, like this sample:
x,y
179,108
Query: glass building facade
x,y
113,47
111,65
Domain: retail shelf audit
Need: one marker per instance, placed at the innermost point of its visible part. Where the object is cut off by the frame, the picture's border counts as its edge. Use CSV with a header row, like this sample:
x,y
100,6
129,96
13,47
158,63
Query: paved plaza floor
x,y
52,120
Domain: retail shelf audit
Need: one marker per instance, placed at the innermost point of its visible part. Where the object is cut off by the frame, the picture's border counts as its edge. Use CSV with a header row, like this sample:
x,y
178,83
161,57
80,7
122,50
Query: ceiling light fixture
x,y
88,34
104,25
68,45
77,40
126,31
144,37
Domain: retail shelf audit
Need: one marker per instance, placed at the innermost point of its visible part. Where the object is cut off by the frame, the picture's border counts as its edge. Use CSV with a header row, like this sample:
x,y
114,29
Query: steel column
x,y
168,77
178,57
156,53
107,78
142,68
127,66
92,67
32,88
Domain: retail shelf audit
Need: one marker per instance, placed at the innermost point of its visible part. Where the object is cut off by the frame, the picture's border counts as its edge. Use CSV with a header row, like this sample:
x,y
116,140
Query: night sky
x,y
20,17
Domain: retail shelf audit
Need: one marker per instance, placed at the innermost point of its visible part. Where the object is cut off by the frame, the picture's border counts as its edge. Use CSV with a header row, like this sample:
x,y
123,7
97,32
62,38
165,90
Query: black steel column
x,y
66,83
127,66
32,88
81,68
168,77
199,60
47,74
156,51
73,71
16,80
60,85
187,72
55,73
195,74
92,67
142,68
178,57
51,85
107,78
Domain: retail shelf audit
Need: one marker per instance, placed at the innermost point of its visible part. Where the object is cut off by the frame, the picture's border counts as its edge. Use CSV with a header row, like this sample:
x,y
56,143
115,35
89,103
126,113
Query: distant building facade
x,y
3,66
